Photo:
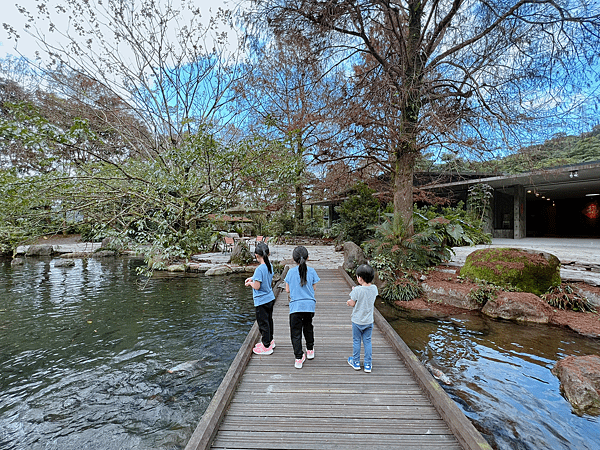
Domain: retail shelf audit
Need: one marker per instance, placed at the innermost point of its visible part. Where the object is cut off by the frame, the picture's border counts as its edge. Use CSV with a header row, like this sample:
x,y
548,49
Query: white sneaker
x,y
298,362
310,354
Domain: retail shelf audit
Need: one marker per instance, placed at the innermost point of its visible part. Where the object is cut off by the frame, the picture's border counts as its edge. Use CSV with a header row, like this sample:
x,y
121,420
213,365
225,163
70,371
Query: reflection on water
x,y
84,353
500,376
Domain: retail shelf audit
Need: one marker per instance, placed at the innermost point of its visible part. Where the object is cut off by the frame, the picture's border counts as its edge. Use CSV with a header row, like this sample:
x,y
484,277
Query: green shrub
x,y
416,252
484,293
404,288
358,214
460,227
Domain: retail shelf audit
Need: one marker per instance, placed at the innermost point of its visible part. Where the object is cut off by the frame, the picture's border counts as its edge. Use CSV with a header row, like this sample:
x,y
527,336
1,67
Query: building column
x,y
520,212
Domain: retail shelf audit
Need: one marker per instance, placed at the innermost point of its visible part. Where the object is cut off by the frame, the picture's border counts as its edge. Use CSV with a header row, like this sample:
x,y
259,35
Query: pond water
x,y
85,353
498,372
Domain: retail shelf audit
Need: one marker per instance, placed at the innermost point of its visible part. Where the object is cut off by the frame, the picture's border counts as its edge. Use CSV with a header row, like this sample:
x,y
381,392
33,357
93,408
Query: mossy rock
x,y
525,270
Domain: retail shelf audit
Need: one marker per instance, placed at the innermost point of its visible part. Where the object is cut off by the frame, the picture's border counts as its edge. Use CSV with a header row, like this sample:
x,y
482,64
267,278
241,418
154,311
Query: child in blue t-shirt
x,y
300,284
362,299
264,299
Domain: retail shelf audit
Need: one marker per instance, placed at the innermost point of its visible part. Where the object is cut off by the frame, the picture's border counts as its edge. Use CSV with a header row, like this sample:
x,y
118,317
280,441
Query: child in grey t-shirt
x,y
362,299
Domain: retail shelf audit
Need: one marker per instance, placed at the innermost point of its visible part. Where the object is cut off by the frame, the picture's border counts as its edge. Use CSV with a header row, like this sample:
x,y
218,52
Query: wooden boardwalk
x,y
264,402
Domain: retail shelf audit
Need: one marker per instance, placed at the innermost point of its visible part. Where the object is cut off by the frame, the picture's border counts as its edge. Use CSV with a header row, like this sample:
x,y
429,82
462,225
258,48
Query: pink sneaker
x,y
310,354
260,349
298,362
271,345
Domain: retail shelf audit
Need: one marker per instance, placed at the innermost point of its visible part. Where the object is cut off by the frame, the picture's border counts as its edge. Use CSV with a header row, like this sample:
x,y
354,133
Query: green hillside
x,y
558,151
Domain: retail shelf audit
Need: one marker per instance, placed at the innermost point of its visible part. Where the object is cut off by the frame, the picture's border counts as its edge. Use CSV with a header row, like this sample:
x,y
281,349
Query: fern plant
x,y
564,296
404,288
421,250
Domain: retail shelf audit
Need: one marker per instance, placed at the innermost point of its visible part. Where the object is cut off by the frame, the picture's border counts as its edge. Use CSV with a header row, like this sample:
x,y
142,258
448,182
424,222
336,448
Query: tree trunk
x,y
406,150
403,190
299,214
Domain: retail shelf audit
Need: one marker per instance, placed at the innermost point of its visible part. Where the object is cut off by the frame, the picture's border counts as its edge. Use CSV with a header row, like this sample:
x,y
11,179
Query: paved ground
x,y
319,256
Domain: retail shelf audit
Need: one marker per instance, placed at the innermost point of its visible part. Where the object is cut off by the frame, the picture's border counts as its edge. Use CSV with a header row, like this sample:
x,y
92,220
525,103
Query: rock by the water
x,y
76,255
592,297
64,263
353,256
39,250
219,270
520,306
580,382
453,297
527,270
17,262
176,268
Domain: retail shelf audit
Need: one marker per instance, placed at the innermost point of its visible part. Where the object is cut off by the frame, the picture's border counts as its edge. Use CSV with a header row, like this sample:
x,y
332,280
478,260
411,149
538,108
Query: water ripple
x,y
84,354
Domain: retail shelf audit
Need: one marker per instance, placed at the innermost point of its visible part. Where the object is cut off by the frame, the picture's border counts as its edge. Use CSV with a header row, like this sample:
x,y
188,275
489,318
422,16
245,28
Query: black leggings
x,y
264,319
301,322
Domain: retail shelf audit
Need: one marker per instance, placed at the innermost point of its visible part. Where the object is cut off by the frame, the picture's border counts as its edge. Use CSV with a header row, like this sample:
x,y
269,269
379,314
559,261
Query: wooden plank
x,y
304,440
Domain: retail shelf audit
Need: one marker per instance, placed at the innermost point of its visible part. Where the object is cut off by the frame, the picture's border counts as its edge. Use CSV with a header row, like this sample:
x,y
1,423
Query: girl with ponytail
x,y
300,284
264,299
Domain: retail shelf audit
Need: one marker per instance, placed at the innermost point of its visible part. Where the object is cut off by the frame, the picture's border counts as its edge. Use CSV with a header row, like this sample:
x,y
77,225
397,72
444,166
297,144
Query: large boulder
x,y
519,306
580,382
353,256
176,268
446,295
64,263
40,250
526,270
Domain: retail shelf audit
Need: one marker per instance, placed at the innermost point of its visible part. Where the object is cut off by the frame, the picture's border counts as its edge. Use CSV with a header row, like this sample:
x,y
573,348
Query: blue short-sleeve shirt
x,y
302,298
265,293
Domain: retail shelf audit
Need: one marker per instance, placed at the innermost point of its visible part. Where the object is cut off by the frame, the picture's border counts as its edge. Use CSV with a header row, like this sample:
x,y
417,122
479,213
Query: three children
x,y
300,283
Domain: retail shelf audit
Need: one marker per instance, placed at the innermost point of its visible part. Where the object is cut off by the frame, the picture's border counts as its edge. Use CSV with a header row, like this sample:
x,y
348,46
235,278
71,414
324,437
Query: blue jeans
x,y
362,332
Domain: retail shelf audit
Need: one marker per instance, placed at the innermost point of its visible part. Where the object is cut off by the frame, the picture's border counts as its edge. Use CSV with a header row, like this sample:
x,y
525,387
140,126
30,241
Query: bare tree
x,y
171,69
288,97
451,75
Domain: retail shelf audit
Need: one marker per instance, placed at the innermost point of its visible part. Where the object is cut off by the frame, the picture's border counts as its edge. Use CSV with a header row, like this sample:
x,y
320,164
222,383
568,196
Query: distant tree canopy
x,y
130,126
453,76
284,95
